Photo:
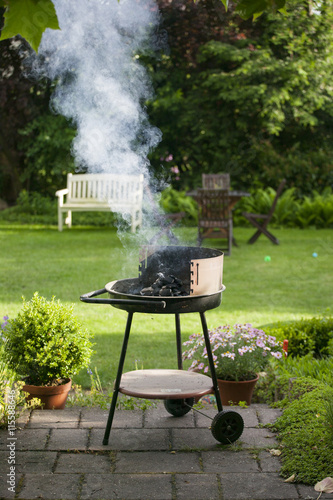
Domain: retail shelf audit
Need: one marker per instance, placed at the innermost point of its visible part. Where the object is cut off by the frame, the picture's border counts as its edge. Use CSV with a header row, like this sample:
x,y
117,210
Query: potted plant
x,y
46,346
239,353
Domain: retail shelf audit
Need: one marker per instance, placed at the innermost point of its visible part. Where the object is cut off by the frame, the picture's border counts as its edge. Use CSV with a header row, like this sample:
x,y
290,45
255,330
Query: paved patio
x,y
151,455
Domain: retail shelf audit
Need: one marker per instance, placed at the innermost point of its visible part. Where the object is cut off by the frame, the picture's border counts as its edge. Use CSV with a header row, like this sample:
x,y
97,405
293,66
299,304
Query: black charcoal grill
x,y
172,280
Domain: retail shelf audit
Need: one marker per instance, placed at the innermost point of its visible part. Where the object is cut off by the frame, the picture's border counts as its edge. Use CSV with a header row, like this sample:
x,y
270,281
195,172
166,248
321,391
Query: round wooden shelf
x,y
165,384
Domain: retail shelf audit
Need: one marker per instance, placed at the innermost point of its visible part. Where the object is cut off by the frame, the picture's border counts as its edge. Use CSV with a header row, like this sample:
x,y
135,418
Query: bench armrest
x,y
61,194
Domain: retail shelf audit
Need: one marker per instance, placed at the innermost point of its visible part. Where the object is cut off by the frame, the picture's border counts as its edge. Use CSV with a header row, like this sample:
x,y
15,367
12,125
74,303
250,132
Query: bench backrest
x,y
105,187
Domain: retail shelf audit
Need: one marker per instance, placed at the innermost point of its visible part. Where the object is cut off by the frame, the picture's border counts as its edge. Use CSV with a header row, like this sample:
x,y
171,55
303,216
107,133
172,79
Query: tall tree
x,y
19,100
254,99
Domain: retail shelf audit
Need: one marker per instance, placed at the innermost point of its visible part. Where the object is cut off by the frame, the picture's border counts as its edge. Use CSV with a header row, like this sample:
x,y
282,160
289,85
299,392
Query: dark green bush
x,y
315,210
275,383
34,208
306,336
173,201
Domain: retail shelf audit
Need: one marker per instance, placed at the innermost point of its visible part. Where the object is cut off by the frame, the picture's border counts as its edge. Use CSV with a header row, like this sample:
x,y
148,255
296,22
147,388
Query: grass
x,y
292,285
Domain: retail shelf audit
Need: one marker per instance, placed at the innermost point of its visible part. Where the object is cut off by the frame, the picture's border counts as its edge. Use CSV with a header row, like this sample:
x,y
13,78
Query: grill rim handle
x,y
90,298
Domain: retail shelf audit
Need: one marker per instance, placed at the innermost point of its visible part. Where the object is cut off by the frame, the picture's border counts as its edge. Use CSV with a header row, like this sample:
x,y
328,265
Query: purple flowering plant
x,y
239,352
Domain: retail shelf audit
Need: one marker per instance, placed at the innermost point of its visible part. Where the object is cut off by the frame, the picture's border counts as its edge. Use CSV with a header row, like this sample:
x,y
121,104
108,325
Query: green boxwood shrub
x,y
45,342
314,335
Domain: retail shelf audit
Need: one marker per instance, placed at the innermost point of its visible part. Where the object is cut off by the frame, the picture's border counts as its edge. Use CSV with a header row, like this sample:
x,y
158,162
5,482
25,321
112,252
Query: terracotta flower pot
x,y
236,391
52,397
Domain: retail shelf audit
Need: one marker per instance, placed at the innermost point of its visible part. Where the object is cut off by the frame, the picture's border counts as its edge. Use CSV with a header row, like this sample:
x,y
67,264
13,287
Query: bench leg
x,y
68,219
59,219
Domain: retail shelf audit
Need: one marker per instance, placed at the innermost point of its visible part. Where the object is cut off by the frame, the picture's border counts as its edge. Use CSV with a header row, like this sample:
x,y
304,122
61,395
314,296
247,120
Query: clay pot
x,y
52,397
236,391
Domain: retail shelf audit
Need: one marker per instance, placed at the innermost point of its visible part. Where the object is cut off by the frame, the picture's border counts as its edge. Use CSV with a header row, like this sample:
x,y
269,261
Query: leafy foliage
x,y
45,342
303,430
28,18
46,142
314,335
274,384
253,100
12,398
173,201
315,210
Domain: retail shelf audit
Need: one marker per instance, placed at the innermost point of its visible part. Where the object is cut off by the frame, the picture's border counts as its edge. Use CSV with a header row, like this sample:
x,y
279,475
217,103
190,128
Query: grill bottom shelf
x,y
165,384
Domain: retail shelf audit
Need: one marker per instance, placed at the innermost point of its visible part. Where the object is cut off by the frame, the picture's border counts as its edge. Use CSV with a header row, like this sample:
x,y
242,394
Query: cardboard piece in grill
x,y
200,269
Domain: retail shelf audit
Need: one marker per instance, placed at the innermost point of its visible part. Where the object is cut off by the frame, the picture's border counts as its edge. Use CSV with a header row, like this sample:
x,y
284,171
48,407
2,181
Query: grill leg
x,y
117,382
211,362
179,342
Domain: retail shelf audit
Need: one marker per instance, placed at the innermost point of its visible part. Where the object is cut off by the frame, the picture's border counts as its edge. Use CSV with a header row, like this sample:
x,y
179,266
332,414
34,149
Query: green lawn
x,y
293,284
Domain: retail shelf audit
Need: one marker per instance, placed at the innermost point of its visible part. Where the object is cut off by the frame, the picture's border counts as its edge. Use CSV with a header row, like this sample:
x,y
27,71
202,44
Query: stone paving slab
x,y
157,462
309,493
67,418
131,439
197,486
188,439
83,463
269,463
223,461
240,486
96,418
31,461
68,439
151,455
4,492
266,415
26,439
258,438
160,418
127,486
50,486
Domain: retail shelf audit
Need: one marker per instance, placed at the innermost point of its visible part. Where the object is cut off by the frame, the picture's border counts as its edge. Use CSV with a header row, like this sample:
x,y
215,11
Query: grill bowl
x,y
120,289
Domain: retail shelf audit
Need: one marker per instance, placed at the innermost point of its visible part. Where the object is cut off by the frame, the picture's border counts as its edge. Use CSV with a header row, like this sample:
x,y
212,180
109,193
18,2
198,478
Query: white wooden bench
x,y
101,192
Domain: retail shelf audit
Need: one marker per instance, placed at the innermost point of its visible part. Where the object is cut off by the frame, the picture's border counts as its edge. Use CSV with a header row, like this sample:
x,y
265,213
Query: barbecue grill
x,y
172,280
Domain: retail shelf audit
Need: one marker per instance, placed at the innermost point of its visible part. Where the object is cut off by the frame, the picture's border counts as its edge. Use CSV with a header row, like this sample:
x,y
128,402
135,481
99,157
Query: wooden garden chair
x,y
261,221
214,216
216,181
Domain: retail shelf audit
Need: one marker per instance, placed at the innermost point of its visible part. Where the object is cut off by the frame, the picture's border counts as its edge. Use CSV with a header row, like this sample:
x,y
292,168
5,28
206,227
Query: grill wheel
x,y
227,426
178,407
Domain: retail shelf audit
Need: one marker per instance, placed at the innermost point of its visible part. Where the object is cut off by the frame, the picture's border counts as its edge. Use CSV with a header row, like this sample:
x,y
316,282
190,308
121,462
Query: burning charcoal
x,y
164,281
176,280
165,285
147,291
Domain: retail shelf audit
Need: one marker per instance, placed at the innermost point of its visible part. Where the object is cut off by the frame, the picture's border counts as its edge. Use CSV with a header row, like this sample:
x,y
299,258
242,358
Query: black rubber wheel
x,y
177,407
227,426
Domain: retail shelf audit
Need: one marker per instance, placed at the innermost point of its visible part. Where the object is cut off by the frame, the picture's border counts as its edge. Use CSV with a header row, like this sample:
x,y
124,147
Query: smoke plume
x,y
101,85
